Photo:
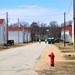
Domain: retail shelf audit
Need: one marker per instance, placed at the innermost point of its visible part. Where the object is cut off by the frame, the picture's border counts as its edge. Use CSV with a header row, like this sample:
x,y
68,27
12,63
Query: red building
x,y
68,34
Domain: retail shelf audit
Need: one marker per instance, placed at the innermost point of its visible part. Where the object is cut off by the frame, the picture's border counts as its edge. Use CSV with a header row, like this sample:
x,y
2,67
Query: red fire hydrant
x,y
51,59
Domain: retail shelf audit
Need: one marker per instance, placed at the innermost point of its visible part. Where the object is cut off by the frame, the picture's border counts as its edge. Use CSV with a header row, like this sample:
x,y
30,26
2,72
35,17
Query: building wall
x,y
2,33
13,35
73,32
29,37
68,38
25,36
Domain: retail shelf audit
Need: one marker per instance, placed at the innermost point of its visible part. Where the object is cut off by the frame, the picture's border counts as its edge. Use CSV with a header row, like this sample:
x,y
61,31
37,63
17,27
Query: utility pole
x,y
18,29
74,14
74,22
7,29
27,35
64,26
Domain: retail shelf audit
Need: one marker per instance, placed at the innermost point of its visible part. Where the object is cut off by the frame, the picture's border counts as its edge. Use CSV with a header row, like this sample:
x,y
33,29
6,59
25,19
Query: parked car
x,y
57,40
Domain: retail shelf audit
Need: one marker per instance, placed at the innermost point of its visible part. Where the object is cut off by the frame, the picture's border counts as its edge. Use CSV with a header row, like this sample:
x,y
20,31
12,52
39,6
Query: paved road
x,y
20,61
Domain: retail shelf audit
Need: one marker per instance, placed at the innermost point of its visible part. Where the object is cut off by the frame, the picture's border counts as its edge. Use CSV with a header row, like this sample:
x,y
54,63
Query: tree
x,y
42,30
54,29
68,23
24,24
34,30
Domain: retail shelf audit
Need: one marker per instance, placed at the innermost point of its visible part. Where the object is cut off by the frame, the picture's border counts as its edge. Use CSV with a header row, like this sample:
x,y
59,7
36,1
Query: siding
x,y
26,37
29,37
2,34
68,38
13,35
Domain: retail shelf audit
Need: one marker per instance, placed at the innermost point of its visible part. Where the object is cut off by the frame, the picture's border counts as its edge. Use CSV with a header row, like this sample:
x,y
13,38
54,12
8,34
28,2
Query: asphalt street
x,y
21,60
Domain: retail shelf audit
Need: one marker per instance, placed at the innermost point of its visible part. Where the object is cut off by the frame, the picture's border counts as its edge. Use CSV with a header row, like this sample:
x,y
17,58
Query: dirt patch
x,y
62,67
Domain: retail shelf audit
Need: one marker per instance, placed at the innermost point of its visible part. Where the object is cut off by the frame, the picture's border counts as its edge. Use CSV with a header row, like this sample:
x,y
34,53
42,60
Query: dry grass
x,y
58,69
8,47
61,67
70,57
13,46
74,44
67,50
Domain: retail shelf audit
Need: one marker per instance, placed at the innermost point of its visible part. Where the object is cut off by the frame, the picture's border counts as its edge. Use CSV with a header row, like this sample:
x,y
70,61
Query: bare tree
x,y
43,31
24,24
68,23
54,29
34,30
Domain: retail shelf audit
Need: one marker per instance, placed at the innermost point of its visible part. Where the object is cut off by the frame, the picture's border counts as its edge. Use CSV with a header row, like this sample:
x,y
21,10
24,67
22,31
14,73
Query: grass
x,y
12,46
61,68
15,46
74,44
70,57
68,65
67,49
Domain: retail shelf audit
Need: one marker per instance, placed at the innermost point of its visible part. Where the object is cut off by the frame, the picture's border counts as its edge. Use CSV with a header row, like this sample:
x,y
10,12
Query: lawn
x,y
68,51
74,44
12,46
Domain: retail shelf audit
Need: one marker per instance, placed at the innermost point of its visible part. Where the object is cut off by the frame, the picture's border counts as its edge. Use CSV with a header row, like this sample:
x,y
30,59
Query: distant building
x,y
19,35
68,34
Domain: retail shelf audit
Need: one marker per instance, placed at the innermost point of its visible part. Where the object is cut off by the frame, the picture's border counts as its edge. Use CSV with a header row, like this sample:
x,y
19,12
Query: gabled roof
x,y
68,28
1,21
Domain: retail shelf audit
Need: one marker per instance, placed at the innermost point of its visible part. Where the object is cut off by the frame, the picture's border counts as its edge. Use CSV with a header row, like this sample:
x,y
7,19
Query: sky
x,y
36,10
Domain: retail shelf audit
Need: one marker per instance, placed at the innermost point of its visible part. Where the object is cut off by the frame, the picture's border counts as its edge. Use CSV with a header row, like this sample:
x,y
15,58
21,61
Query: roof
x,y
16,29
1,21
68,28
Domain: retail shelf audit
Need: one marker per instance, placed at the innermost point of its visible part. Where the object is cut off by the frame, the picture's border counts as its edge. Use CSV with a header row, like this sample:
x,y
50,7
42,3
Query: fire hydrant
x,y
51,59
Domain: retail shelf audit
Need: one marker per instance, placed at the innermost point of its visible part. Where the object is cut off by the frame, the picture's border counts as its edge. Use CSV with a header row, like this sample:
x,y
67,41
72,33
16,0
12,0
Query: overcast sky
x,y
36,10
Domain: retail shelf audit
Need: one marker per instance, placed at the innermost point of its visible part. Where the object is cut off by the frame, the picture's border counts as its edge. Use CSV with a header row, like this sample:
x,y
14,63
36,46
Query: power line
x,y
68,17
2,14
69,8
38,15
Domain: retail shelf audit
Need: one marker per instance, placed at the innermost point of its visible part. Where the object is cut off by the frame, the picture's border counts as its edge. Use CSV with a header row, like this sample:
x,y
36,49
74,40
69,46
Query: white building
x,y
73,32
29,36
2,31
68,34
19,35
